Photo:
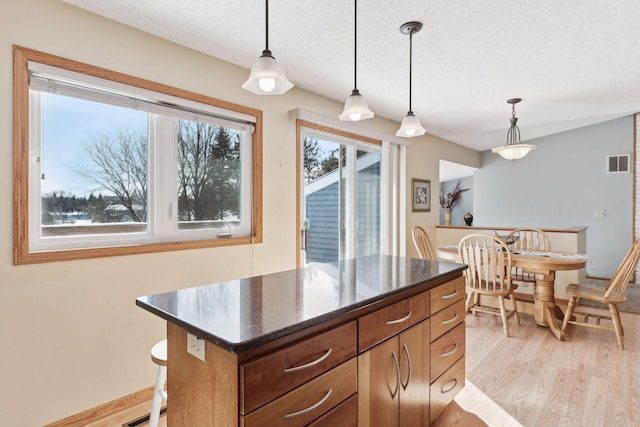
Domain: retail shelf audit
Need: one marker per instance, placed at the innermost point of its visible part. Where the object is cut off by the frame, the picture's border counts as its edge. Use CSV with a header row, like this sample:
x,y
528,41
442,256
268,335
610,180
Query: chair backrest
x,y
489,261
620,279
423,244
531,239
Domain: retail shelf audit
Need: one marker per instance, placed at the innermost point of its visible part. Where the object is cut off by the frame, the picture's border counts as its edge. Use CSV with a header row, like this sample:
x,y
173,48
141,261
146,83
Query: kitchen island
x,y
377,340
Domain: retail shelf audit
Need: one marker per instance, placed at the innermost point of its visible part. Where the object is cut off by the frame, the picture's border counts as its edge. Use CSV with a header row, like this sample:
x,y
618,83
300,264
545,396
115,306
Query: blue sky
x,y
69,125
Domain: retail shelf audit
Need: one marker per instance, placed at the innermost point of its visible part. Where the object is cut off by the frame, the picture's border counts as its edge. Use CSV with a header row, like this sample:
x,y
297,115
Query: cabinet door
x,y
414,375
379,385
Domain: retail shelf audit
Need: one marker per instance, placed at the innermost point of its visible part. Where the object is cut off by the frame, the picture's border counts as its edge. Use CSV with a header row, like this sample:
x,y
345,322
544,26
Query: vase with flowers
x,y
448,199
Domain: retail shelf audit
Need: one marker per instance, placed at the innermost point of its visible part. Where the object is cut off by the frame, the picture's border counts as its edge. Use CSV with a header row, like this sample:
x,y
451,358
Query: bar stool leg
x,y
158,396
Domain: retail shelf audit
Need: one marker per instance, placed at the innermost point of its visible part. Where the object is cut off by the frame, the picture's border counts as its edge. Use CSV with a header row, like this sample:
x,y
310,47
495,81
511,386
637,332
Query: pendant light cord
x,y
410,65
266,18
355,44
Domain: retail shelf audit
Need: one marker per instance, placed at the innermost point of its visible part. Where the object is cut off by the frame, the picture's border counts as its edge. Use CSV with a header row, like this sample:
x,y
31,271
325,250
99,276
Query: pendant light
x,y
267,76
410,125
355,108
514,149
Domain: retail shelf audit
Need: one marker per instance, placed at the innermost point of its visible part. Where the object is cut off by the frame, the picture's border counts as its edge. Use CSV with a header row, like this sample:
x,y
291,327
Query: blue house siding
x,y
324,222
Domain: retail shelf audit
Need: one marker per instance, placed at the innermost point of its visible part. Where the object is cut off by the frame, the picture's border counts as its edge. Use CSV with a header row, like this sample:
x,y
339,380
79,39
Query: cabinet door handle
x,y
310,364
393,322
406,352
453,319
455,383
450,295
312,407
449,353
395,360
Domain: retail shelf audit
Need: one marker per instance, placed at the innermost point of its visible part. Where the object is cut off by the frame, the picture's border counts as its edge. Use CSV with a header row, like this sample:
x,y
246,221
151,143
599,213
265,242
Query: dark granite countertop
x,y
240,314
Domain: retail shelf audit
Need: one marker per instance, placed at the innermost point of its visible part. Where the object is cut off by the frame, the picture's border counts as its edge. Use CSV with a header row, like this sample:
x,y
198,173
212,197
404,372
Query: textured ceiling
x,y
573,62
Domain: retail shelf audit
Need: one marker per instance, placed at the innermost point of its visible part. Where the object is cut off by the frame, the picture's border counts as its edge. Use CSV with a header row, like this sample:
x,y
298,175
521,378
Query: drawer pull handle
x,y
406,352
393,322
453,319
310,364
312,407
455,383
450,295
449,353
395,360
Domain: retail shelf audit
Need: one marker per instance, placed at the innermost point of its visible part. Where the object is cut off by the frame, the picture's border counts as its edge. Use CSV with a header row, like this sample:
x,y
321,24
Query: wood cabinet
x,y
394,380
396,362
270,376
304,404
393,376
447,347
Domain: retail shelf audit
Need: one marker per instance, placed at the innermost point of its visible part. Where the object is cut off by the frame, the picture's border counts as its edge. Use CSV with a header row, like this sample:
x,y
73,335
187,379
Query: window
x,y
108,164
618,164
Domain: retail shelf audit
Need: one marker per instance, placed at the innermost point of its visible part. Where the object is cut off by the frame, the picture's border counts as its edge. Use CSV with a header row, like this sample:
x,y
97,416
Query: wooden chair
x,y
489,274
423,243
529,239
613,295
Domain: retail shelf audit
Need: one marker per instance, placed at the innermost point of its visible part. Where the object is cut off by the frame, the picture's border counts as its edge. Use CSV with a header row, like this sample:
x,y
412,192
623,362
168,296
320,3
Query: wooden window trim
x,y
21,254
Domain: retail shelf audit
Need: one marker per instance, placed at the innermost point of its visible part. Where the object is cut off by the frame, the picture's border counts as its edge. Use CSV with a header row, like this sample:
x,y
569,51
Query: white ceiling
x,y
573,62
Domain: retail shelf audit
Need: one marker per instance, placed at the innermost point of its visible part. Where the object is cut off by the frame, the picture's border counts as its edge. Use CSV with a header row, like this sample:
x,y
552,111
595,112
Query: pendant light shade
x,y
410,125
355,108
514,150
267,76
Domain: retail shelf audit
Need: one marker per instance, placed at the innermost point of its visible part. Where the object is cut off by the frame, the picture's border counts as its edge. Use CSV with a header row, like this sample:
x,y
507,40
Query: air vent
x,y
619,164
142,421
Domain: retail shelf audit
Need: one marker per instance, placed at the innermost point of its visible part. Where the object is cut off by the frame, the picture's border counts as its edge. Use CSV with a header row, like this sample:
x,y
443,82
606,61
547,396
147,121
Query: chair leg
x,y
615,318
568,313
515,309
158,396
503,314
467,304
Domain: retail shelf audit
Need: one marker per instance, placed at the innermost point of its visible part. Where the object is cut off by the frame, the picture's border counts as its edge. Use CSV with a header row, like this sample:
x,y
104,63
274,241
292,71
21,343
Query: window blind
x,y
46,78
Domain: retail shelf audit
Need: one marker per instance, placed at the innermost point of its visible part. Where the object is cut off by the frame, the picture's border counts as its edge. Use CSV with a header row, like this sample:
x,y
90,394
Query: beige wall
x,y
72,337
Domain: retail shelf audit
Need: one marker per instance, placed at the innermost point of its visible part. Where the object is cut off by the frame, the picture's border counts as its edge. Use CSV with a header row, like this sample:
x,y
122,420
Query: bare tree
x,y
120,166
208,171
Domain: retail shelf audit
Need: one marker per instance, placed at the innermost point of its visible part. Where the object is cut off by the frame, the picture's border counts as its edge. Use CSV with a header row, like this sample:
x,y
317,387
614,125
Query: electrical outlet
x,y
600,214
196,346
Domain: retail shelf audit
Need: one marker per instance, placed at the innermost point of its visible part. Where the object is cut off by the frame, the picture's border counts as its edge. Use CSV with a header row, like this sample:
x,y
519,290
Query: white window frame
x,y
163,231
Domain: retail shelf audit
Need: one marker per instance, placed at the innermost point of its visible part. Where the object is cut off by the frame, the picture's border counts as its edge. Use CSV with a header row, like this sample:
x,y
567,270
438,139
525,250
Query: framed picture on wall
x,y
421,195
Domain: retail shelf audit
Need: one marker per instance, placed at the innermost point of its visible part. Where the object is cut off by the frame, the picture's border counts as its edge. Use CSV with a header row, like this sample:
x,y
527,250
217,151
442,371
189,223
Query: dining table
x,y
544,265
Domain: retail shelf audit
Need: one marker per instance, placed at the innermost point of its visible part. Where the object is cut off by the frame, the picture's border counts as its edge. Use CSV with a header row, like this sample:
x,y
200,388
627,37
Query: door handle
x,y
406,352
303,240
395,360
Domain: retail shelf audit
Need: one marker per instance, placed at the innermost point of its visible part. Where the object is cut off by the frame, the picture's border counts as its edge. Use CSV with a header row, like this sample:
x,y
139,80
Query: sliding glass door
x,y
340,197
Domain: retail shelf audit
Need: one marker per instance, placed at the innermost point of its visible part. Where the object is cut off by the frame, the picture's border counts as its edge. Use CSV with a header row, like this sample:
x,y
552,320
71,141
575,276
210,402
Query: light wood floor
x,y
532,379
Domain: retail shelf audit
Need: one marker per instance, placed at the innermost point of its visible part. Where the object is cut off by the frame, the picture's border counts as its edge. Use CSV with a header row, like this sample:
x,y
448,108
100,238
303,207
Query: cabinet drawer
x,y
447,294
343,415
444,389
446,350
446,319
267,378
386,322
308,402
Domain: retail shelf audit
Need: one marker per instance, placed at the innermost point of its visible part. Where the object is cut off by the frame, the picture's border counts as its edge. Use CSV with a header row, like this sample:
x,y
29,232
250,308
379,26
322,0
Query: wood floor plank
x,y
583,381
